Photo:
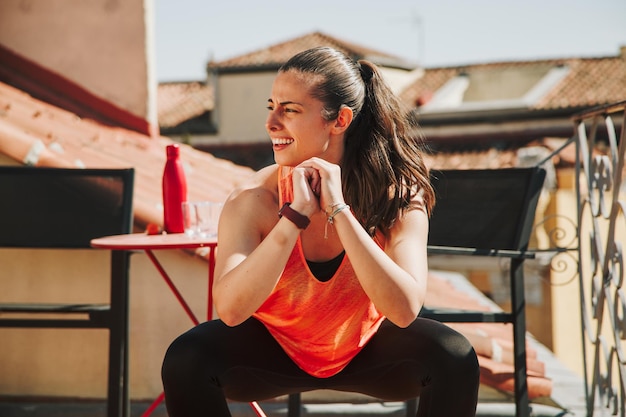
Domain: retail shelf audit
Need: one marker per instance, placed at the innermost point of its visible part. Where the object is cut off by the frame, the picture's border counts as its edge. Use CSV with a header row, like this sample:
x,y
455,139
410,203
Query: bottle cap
x,y
173,150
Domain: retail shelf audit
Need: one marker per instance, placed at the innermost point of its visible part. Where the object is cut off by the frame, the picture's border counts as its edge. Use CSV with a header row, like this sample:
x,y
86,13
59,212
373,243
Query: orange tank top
x,y
320,325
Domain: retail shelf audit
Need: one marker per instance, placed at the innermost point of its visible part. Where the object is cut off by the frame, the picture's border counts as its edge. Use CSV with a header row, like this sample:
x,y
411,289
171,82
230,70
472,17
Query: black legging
x,y
212,362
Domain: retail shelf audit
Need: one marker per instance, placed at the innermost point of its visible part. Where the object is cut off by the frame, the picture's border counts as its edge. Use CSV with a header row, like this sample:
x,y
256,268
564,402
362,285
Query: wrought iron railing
x,y
601,145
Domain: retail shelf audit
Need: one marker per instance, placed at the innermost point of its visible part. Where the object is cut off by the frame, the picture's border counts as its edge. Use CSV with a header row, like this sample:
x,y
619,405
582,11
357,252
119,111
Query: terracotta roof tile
x,y
478,159
424,87
590,82
275,55
69,141
181,101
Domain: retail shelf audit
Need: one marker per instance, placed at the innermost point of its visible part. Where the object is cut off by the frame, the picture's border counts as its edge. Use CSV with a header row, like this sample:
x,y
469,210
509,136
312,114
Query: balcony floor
x,y
272,409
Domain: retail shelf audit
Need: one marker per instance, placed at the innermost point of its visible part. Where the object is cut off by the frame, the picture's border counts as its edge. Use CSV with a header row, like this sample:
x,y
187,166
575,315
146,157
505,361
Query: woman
x,y
321,269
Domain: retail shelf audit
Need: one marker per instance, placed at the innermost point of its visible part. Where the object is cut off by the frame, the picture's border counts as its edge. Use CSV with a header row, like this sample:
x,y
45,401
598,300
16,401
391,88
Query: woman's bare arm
x,y
254,246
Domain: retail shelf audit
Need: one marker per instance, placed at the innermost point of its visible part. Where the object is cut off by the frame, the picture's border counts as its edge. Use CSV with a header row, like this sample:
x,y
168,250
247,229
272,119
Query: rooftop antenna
x,y
415,20
417,23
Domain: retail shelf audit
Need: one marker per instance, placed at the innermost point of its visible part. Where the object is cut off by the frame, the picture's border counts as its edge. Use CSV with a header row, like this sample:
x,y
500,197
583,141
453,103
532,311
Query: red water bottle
x,y
174,191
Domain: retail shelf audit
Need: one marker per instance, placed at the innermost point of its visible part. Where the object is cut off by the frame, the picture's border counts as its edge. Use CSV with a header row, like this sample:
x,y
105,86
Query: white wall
x,y
241,107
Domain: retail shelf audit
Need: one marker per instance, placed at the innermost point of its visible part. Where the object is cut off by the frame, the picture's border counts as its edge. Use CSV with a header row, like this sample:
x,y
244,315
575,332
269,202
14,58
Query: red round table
x,y
149,243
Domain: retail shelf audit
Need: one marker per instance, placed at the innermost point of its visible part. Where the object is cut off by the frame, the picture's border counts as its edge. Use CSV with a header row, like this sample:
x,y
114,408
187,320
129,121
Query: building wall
x,y
71,362
241,107
106,46
566,324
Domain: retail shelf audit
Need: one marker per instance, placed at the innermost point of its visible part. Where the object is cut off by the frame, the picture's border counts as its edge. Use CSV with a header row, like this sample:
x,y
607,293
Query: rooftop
x,y
551,85
568,83
275,55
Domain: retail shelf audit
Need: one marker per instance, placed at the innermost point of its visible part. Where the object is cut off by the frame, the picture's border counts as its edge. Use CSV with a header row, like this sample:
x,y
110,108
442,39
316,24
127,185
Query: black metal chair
x,y
487,213
64,209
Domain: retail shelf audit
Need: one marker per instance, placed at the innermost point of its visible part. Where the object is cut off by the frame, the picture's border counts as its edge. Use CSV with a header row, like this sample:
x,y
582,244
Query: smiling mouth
x,y
281,141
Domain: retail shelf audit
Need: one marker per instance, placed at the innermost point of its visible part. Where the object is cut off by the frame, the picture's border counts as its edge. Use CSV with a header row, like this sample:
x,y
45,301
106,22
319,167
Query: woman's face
x,y
295,123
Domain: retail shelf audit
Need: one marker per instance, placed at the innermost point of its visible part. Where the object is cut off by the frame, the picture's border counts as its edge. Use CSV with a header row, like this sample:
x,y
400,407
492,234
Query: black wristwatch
x,y
296,218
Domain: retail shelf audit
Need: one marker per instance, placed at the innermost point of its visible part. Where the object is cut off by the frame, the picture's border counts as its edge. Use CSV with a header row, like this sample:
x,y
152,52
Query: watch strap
x,y
296,218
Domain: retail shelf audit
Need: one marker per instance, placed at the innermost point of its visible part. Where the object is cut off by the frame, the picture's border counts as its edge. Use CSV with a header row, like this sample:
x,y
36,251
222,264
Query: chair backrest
x,y
485,209
63,208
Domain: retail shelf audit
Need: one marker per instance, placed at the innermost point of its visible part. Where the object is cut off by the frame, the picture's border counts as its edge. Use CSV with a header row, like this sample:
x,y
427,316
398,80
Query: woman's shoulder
x,y
263,184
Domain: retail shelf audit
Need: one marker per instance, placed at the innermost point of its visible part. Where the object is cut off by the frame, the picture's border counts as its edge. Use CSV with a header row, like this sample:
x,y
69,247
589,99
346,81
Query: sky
x,y
431,33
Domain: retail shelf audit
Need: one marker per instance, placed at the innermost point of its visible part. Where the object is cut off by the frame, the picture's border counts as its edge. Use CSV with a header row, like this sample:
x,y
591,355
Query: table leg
x,y
173,288
154,405
185,306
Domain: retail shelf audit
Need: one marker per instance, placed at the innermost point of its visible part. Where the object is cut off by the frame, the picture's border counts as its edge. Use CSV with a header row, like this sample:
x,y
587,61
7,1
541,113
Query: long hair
x,y
382,167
